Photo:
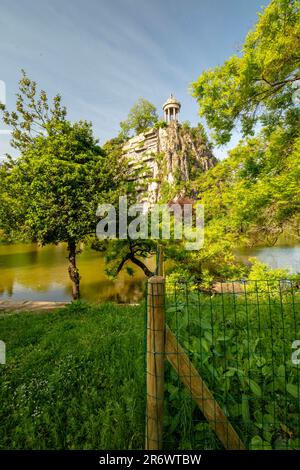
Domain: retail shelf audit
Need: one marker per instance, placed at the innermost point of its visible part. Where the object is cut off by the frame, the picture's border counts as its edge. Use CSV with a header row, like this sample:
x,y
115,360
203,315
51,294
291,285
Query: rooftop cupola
x,y
171,109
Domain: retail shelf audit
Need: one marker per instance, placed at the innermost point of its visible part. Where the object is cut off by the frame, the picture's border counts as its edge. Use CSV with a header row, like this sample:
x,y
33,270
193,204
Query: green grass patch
x,y
74,379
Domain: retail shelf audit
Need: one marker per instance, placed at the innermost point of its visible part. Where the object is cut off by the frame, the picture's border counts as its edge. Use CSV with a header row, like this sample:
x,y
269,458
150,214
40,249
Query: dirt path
x,y
28,305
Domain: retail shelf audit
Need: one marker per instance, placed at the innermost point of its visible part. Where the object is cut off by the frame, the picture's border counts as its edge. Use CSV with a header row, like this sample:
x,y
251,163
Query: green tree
x,y
52,191
34,116
142,115
262,83
252,196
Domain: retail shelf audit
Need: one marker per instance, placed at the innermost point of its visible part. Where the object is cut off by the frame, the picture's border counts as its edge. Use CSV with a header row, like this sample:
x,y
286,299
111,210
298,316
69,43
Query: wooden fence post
x,y
155,362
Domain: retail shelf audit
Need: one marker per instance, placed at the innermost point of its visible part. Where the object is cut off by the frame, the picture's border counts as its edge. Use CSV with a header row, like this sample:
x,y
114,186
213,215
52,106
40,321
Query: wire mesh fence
x,y
233,378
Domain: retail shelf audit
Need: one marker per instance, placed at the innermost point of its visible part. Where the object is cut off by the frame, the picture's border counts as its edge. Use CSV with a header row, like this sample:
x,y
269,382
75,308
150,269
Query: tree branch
x,y
130,257
141,265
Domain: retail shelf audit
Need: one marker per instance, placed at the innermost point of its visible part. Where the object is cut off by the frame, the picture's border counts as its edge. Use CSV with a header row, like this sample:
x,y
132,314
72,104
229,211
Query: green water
x,y
30,272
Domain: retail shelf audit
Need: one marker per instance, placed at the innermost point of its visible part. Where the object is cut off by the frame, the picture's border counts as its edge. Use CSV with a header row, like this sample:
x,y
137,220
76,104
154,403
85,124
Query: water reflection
x,y
287,257
30,272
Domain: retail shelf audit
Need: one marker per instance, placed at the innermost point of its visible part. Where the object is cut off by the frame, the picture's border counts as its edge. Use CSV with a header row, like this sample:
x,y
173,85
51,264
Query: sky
x,y
102,55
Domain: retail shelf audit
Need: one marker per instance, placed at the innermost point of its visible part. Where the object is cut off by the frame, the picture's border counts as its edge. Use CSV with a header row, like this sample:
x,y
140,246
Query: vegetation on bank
x,y
250,198
51,193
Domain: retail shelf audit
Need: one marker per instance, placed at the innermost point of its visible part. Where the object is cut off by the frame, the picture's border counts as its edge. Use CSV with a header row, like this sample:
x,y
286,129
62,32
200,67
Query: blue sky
x,y
102,55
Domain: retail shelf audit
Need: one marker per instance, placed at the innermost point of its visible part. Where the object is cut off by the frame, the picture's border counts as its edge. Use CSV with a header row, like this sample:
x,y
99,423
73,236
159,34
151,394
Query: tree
x,y
262,83
52,191
121,252
251,197
142,115
34,116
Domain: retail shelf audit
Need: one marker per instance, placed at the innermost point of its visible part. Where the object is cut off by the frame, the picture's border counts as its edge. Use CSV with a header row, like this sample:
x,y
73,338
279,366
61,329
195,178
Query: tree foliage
x,y
142,115
52,191
262,83
252,197
34,116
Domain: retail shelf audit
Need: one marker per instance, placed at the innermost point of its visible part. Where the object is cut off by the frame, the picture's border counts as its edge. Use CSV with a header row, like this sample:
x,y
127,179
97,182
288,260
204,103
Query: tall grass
x,y
74,379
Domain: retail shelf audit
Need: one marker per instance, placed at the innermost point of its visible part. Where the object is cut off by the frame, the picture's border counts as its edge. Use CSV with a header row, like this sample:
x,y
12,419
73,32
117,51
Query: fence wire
x,y
243,339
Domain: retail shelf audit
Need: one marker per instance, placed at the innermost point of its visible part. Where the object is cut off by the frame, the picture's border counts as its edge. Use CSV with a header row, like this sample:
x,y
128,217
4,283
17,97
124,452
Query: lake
x,y
30,272
287,257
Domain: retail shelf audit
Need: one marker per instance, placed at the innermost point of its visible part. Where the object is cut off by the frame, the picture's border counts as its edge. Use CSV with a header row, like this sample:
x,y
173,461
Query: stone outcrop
x,y
169,154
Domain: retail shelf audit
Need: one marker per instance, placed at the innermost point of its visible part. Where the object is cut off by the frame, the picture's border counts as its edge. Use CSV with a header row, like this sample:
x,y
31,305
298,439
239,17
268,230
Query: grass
x,y
74,379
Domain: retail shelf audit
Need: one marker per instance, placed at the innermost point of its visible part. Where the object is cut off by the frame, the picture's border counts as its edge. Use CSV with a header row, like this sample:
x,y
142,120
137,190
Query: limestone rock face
x,y
170,154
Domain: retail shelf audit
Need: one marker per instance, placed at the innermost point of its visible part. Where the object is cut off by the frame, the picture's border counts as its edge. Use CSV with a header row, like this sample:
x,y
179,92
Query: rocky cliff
x,y
167,155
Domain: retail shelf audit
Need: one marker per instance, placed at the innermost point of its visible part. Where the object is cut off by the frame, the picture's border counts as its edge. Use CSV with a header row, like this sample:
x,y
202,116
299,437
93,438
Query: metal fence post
x,y
155,362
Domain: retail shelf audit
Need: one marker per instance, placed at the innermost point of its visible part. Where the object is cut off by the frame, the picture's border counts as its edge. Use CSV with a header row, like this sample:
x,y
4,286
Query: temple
x,y
171,109
166,154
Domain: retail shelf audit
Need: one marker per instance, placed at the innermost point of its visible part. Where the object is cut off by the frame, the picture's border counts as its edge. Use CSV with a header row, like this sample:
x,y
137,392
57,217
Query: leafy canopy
x,y
52,191
58,183
34,116
262,83
251,197
142,115
62,175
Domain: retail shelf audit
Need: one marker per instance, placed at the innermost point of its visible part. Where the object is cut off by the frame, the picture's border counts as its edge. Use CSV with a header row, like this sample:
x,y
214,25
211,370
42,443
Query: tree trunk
x,y
73,270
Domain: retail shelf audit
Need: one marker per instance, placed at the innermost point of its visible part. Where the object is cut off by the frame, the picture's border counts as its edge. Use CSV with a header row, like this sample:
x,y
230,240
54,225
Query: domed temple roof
x,y
172,101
